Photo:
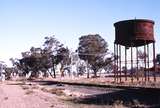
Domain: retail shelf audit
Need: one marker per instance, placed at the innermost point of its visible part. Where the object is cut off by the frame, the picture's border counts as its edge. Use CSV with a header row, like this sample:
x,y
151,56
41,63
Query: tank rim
x,y
131,20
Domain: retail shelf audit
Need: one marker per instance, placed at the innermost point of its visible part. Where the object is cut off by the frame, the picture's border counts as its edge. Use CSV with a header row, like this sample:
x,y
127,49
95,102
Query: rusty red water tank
x,y
136,32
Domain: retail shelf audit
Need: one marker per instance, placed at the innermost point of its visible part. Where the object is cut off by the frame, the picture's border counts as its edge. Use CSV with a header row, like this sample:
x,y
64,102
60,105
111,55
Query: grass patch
x,y
44,89
118,104
57,91
52,106
6,98
25,87
29,92
35,87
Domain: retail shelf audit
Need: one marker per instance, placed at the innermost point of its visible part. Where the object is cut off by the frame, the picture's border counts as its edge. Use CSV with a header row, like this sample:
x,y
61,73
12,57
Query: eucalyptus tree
x,y
41,60
92,49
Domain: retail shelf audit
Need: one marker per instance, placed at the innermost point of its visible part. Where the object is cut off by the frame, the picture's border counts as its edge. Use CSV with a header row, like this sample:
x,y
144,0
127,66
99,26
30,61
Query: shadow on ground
x,y
128,97
45,82
131,97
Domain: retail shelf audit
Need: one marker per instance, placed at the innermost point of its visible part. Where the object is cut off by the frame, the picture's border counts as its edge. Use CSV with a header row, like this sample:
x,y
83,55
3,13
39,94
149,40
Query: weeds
x,y
57,91
6,98
29,92
25,87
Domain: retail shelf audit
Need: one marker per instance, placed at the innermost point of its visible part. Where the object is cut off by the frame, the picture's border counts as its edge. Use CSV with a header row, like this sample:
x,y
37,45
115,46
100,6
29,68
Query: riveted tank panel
x,y
134,33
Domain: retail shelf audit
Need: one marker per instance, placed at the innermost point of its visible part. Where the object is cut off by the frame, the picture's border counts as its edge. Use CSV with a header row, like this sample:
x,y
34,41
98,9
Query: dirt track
x,y
108,95
42,94
14,96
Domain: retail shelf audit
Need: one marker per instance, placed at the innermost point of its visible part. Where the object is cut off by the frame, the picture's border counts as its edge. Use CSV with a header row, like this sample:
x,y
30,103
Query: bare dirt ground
x,y
110,81
56,93
102,91
20,94
14,95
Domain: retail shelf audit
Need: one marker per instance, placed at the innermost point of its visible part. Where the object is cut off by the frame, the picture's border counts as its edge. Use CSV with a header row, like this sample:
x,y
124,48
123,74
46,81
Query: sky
x,y
25,23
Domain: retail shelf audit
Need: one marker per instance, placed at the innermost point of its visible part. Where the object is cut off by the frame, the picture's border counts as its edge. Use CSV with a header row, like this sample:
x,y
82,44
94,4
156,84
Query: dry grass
x,y
28,92
57,91
44,89
118,104
34,87
52,106
73,105
6,98
25,87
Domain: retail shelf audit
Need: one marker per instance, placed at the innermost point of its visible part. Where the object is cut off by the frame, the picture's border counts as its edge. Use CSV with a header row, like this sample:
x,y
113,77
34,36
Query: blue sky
x,y
25,23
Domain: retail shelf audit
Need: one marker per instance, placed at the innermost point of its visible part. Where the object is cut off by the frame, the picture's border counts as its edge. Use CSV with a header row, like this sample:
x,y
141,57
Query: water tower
x,y
132,34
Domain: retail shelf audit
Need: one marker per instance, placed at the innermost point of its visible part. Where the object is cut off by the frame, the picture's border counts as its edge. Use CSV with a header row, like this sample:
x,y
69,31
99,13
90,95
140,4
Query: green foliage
x,y
93,48
42,59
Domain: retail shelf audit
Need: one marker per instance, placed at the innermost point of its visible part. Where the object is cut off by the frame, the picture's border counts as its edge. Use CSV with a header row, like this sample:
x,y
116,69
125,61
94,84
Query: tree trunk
x,y
34,75
95,71
53,69
95,74
51,74
62,71
46,74
54,72
87,70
